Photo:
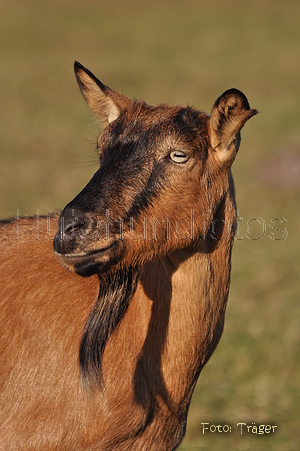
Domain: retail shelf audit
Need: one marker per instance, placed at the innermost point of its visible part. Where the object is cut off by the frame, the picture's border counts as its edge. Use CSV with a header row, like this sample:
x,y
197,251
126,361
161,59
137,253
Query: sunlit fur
x,y
109,361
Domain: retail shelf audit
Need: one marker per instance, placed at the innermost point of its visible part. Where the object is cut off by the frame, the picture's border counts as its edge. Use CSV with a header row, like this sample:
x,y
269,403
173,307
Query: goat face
x,y
163,174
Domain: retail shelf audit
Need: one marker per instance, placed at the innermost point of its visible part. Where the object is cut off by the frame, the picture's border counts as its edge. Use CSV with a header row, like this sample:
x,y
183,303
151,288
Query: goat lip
x,y
77,258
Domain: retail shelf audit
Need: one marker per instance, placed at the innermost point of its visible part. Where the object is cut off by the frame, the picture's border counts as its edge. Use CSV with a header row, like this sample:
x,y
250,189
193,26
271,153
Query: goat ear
x,y
106,103
229,114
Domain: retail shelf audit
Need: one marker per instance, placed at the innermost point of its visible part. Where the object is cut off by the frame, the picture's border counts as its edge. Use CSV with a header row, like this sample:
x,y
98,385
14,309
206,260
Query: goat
x,y
106,356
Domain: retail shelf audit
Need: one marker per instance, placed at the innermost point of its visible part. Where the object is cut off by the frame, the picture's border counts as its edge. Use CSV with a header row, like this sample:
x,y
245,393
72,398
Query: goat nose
x,y
73,225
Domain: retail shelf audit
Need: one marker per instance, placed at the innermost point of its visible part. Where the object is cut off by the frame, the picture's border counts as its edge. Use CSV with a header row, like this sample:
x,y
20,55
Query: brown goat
x,y
110,361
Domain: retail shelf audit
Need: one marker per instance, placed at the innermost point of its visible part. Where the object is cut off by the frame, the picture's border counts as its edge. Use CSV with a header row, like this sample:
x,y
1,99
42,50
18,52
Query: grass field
x,y
179,52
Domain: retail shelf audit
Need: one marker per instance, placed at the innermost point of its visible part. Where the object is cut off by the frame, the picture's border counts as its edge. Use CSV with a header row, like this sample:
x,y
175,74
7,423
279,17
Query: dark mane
x,y
116,291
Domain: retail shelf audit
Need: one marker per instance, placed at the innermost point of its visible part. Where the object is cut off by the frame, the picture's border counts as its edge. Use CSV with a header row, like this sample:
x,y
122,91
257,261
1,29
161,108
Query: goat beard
x,y
115,294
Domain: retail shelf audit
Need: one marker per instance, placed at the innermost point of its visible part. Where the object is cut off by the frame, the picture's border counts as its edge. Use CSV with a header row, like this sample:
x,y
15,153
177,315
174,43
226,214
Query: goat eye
x,y
179,157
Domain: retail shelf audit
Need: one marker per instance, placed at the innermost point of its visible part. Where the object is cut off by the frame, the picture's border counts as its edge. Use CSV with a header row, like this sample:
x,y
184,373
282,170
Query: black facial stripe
x,y
146,196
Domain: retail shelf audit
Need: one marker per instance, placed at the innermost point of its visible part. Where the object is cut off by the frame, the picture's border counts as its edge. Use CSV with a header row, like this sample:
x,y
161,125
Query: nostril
x,y
71,226
75,226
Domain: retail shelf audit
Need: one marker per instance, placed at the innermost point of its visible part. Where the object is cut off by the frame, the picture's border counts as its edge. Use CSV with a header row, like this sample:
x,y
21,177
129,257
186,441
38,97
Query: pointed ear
x,y
106,103
229,114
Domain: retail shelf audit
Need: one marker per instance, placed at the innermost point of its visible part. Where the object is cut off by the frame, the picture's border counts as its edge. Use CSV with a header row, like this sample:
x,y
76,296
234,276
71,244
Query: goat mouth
x,y
91,262
79,256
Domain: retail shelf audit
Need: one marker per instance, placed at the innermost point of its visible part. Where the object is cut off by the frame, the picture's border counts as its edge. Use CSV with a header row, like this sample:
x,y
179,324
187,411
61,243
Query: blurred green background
x,y
182,52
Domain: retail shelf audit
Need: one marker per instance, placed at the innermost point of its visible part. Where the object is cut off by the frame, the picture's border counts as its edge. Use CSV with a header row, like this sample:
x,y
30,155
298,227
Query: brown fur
x,y
157,240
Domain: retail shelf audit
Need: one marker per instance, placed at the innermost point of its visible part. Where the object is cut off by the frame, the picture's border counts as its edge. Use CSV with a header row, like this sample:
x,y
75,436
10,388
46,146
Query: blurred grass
x,y
178,52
